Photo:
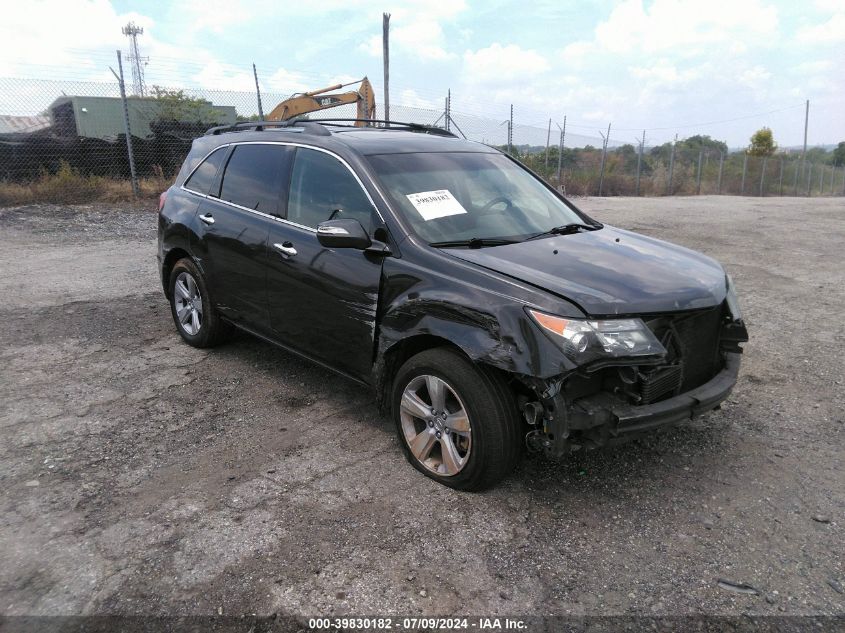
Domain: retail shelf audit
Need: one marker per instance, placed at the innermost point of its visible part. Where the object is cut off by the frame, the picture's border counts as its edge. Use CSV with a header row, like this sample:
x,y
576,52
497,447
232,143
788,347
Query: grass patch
x,y
68,186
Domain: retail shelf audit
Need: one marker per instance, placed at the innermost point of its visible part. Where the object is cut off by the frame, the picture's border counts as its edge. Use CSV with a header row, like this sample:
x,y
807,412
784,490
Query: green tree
x,y
839,154
818,155
762,143
176,106
704,142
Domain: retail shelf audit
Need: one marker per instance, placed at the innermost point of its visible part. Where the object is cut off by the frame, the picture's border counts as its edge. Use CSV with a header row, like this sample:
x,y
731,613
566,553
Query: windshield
x,y
464,196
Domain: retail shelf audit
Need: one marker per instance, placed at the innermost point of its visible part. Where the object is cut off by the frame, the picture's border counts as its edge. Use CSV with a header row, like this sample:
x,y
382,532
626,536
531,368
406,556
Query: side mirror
x,y
343,234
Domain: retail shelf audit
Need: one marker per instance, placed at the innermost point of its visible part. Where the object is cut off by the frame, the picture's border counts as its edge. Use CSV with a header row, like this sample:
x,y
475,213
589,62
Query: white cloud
x,y
424,37
372,46
664,73
830,6
756,77
576,53
416,28
288,82
429,9
596,115
47,32
833,30
498,63
217,76
218,16
413,99
684,25
816,67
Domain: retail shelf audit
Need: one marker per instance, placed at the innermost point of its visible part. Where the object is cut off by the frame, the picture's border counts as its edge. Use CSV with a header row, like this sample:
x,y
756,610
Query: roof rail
x,y
258,126
317,126
385,124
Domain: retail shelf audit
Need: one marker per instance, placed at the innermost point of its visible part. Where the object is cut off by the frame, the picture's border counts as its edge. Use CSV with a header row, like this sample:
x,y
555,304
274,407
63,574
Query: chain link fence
x,y
65,141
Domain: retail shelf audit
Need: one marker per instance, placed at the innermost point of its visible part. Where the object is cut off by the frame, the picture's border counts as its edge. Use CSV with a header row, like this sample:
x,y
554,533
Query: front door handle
x,y
285,249
207,218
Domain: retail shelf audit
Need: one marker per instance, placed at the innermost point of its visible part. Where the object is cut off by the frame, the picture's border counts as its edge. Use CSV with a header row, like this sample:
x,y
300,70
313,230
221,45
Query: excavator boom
x,y
316,100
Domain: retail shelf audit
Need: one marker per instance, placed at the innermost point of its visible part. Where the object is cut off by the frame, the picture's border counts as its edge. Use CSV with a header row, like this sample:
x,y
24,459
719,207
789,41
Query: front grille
x,y
697,334
691,340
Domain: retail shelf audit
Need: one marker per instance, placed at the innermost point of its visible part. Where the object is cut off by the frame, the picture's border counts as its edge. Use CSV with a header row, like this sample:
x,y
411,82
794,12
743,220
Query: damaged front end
x,y
613,398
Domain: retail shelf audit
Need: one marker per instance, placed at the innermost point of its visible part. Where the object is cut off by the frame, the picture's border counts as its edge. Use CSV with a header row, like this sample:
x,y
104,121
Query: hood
x,y
609,271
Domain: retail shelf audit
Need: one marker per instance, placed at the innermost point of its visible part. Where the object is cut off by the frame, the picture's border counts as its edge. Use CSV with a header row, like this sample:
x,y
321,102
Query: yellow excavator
x,y
305,102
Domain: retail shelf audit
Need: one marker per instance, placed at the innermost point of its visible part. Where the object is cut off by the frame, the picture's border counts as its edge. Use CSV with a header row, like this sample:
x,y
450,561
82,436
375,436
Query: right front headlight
x,y
733,302
586,340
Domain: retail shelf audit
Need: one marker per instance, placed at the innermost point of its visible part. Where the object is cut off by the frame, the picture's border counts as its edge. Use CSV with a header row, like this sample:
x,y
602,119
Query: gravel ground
x,y
142,476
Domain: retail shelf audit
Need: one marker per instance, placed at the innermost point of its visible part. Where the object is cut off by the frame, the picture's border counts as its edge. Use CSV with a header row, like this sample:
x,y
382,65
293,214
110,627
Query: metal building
x,y
102,117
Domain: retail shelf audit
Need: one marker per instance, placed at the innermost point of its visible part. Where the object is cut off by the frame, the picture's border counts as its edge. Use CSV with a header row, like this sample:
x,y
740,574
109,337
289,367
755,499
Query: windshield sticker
x,y
435,204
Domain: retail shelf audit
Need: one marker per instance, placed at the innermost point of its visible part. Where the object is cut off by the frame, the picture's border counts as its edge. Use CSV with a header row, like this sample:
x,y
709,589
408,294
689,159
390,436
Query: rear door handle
x,y
207,218
285,249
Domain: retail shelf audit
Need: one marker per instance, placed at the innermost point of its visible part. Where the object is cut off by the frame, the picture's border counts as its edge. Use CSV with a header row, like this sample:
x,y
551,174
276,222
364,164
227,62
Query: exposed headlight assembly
x,y
733,303
585,340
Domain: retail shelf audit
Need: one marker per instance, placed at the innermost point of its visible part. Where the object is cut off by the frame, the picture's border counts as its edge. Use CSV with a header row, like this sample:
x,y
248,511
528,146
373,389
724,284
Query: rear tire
x,y
457,422
190,305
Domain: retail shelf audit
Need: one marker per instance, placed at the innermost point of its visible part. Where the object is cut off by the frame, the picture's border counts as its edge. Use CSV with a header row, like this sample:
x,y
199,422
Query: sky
x,y
717,67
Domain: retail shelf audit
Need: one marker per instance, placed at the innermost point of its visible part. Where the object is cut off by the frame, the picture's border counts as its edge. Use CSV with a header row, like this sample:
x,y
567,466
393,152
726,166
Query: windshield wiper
x,y
566,229
474,242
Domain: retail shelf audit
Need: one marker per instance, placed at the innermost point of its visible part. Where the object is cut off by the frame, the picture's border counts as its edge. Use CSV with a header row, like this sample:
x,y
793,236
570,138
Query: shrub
x,y
68,186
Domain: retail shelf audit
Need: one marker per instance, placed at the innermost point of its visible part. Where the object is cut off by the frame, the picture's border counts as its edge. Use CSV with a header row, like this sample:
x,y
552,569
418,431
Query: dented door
x,y
323,302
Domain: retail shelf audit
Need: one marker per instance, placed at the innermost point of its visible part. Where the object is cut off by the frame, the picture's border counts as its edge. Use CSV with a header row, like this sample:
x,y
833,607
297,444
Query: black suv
x,y
487,312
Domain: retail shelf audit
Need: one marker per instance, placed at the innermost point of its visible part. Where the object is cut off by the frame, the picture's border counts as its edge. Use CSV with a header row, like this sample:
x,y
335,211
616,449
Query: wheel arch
x,y
396,352
173,256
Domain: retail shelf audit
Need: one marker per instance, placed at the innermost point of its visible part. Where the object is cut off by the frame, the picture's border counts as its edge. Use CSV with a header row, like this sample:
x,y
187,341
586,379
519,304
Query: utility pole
x,y
385,43
132,174
510,133
548,138
640,162
258,93
560,152
135,58
698,177
603,157
806,125
448,108
672,164
721,167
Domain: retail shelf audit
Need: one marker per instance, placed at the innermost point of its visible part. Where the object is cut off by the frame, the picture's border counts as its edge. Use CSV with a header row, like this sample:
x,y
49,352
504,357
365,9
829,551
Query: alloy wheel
x,y
436,425
188,302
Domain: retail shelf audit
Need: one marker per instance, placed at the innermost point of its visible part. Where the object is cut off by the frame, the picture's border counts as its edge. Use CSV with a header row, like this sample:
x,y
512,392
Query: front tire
x,y
457,421
190,305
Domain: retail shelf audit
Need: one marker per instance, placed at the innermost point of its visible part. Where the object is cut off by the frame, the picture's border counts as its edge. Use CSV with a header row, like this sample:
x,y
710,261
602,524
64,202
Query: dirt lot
x,y
141,476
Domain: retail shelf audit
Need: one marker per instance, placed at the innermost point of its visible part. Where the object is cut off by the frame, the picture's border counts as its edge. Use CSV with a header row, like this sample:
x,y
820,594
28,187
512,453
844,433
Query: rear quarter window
x,y
203,177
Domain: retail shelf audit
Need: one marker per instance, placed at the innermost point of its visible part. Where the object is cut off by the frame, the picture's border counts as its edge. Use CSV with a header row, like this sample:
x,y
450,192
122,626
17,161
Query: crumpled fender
x,y
488,326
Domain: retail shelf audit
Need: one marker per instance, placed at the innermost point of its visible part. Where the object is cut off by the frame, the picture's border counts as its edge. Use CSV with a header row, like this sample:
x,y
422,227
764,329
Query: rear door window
x,y
204,175
254,177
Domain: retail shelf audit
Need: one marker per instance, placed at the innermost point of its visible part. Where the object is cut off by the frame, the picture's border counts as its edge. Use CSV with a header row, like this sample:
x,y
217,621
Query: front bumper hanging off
x,y
603,419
